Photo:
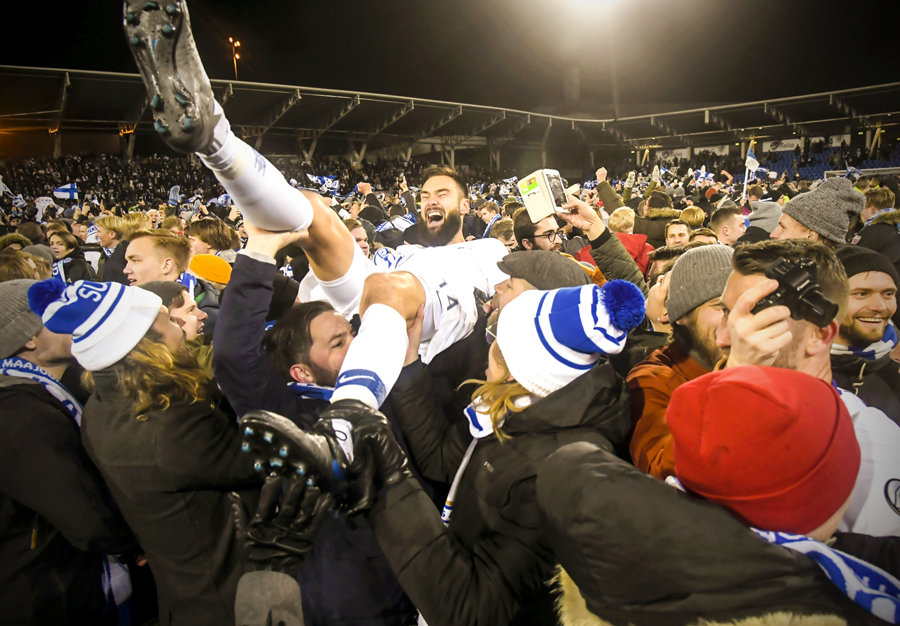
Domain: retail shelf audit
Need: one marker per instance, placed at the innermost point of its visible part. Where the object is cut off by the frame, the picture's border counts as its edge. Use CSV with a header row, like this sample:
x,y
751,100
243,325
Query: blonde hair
x,y
154,378
694,216
112,223
499,396
621,220
133,222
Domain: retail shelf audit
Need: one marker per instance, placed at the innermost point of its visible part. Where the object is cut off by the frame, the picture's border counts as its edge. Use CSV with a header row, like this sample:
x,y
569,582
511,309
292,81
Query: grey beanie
x,y
765,214
698,275
825,210
17,323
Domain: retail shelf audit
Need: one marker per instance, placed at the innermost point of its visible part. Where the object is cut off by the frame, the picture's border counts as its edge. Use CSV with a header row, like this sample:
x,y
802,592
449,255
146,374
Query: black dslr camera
x,y
798,291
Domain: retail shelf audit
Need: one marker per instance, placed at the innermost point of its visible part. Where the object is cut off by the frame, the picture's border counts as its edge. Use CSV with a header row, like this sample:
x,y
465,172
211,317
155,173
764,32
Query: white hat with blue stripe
x,y
550,338
106,320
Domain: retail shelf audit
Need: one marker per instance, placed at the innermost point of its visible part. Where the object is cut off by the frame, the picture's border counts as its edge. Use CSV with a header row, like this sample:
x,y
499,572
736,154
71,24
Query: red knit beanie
x,y
774,446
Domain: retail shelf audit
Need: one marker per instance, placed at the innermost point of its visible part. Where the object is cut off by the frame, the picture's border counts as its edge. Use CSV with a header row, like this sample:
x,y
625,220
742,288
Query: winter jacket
x,y
638,551
653,224
57,518
491,563
345,579
74,267
638,248
171,473
877,382
652,383
611,257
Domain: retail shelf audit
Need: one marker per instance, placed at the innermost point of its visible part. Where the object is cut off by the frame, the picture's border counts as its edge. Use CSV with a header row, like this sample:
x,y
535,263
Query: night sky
x,y
502,52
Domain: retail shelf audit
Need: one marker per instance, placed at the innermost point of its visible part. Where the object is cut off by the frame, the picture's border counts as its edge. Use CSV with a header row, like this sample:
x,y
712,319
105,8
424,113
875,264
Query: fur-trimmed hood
x,y
659,214
891,217
573,611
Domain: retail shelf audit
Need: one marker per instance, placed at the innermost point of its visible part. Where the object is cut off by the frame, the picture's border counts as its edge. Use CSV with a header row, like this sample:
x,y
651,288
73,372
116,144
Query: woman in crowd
x,y
169,458
70,263
484,560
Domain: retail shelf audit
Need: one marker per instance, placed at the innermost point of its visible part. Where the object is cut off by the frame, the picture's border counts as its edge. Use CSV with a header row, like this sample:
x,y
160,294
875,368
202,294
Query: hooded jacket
x,y
653,224
637,551
491,563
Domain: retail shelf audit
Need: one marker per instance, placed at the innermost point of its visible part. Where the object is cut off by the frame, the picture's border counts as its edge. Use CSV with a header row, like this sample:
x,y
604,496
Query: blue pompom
x,y
42,294
624,303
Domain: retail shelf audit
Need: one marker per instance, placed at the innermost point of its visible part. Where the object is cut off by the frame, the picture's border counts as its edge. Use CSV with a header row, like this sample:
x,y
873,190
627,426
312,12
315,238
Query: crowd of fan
x,y
812,448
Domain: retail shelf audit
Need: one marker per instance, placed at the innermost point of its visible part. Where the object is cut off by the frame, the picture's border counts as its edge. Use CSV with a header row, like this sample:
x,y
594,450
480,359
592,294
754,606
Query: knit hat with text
x,y
106,320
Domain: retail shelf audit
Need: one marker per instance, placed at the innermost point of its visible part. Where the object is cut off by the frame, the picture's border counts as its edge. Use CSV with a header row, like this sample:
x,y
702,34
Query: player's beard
x,y
444,233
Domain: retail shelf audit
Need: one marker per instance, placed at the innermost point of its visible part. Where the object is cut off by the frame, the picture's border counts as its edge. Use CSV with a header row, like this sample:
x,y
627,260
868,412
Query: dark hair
x,y
33,231
442,170
880,198
171,293
290,341
215,233
67,238
720,216
678,222
756,258
523,227
659,200
756,190
510,207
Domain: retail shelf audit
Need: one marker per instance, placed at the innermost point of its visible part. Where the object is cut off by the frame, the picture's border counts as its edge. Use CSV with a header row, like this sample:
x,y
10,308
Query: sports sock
x,y
258,189
375,357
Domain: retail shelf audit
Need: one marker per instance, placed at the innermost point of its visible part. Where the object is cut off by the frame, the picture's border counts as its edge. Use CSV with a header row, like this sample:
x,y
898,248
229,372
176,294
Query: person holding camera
x,y
795,330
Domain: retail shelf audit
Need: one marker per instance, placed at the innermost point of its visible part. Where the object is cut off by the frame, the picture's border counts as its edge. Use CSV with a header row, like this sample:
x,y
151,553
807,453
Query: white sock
x,y
375,357
258,189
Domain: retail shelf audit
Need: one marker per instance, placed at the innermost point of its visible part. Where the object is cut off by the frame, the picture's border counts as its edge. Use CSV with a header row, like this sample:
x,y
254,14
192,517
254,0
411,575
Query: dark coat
x,y
171,474
491,563
57,518
345,579
877,382
643,553
76,268
114,266
653,224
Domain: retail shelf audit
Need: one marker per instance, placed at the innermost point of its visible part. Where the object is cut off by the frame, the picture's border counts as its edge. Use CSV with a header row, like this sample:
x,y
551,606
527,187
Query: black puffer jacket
x,y
491,563
643,553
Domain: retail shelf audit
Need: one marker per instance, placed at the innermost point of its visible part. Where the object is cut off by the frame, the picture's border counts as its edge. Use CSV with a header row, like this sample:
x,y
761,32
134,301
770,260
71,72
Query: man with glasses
x,y
543,235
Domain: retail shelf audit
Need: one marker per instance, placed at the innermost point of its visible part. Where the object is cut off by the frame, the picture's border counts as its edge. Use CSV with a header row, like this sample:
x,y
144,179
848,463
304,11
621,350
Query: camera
x,y
798,291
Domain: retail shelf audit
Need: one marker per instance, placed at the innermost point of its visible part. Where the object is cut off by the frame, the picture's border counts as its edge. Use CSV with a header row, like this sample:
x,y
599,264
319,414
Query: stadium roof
x,y
327,121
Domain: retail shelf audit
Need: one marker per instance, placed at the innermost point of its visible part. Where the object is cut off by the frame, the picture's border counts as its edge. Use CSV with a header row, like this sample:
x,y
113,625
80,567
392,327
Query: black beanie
x,y
858,259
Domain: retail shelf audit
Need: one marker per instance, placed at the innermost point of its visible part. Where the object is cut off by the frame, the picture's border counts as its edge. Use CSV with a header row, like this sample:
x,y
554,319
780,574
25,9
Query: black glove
x,y
377,459
287,518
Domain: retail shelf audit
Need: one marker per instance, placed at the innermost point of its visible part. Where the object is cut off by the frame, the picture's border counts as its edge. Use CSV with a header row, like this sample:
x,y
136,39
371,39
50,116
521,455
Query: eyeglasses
x,y
552,236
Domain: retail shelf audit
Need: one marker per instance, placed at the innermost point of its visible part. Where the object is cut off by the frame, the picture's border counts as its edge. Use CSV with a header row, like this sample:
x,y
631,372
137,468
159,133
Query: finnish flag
x,y
751,163
67,192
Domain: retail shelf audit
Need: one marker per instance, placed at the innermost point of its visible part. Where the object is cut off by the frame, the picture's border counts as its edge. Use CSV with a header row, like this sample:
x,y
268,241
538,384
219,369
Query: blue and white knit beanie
x,y
106,320
550,338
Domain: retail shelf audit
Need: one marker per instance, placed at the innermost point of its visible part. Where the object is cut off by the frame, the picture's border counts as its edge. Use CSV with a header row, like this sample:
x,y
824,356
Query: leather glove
x,y
376,459
288,516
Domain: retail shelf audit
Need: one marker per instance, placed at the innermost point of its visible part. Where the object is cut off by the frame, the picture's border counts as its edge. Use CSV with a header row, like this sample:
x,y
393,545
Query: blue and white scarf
x,y
59,269
490,224
20,368
869,586
877,213
311,391
873,351
189,281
